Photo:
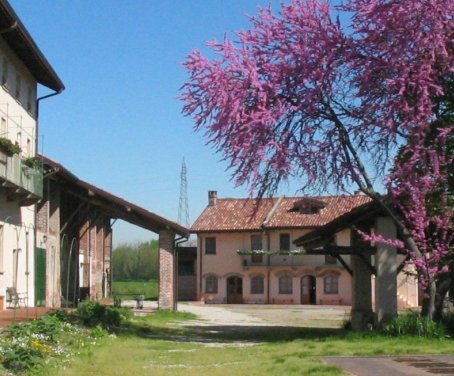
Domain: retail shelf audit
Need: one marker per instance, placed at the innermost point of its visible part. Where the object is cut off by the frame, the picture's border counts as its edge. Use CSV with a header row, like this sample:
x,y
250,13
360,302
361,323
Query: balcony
x,y
20,183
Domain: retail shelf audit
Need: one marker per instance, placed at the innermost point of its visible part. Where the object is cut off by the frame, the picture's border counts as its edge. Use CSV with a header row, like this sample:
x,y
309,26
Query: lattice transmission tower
x,y
183,210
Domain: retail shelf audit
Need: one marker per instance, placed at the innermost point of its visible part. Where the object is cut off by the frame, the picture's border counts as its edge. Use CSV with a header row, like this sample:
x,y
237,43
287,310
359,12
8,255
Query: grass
x,y
149,288
161,345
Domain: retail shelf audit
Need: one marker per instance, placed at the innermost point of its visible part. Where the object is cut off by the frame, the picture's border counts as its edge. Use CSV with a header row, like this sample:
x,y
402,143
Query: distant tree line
x,y
138,261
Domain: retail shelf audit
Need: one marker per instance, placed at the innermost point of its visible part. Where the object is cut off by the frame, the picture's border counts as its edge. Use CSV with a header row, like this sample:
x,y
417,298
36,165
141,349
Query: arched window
x,y
257,285
211,284
331,284
285,285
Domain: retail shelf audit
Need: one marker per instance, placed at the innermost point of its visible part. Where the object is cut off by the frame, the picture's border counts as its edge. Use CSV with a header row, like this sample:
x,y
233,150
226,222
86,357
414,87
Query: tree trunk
x,y
428,306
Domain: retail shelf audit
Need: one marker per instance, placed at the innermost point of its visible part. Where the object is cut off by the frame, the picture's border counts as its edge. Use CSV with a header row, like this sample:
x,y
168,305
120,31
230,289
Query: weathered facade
x,y
22,68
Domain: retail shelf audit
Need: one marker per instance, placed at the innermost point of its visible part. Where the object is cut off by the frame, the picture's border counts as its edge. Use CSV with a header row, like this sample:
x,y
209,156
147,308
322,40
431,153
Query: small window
x,y
210,246
18,86
331,284
284,242
285,285
211,285
29,98
3,127
257,285
256,242
5,68
330,260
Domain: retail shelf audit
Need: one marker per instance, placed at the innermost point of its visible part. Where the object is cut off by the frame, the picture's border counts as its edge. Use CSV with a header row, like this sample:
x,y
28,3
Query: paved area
x,y
9,315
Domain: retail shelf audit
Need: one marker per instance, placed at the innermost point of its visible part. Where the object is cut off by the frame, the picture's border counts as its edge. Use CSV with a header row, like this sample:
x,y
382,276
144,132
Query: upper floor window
x,y
29,98
256,242
257,285
3,127
331,284
284,242
211,284
5,69
18,86
210,246
285,285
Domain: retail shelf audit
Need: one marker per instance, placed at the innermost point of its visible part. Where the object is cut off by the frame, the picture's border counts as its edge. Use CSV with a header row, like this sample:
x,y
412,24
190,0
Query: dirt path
x,y
268,315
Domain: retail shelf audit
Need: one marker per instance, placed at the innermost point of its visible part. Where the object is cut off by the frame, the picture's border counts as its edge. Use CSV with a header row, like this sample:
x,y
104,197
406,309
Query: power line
x,y
183,211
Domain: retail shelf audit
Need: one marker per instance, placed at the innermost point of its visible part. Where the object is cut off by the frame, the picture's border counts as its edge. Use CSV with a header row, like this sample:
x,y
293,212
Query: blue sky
x,y
118,124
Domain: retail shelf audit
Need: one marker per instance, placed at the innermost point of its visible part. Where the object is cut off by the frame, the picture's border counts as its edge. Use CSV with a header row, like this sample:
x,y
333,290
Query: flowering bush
x,y
54,336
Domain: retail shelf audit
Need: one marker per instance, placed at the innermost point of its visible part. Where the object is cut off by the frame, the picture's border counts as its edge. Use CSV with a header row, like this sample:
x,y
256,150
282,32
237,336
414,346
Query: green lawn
x,y
149,288
159,345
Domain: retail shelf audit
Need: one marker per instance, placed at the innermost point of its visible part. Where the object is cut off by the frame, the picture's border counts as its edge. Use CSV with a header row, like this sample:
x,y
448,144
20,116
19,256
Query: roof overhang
x,y
112,205
364,214
20,41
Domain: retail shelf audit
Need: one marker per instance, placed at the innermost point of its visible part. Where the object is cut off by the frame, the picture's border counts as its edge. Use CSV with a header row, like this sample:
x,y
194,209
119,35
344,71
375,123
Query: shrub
x,y
448,322
413,324
92,313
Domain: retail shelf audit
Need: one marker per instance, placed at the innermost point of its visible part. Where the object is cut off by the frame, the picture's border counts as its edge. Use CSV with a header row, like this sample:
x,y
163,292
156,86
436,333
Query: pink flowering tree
x,y
303,95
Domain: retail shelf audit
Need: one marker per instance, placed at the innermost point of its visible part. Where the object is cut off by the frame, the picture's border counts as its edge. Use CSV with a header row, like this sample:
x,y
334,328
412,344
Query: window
x,y
284,242
331,284
256,242
257,285
256,258
5,66
285,285
18,86
211,285
3,127
210,246
29,98
330,260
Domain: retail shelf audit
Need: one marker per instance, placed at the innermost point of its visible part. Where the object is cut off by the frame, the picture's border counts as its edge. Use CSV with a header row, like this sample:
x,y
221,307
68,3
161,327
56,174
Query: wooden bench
x,y
139,298
282,301
331,301
14,298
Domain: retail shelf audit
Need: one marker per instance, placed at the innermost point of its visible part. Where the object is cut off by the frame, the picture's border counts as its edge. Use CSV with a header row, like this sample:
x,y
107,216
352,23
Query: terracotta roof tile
x,y
238,214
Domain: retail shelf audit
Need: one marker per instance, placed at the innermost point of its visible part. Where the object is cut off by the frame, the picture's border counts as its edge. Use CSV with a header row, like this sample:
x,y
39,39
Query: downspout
x,y
178,241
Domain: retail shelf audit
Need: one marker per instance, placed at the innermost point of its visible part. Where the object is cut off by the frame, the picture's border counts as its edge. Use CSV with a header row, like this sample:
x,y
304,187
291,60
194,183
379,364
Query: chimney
x,y
212,198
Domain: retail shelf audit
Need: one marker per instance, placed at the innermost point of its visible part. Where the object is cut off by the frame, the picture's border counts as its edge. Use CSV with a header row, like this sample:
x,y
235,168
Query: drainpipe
x,y
268,268
178,241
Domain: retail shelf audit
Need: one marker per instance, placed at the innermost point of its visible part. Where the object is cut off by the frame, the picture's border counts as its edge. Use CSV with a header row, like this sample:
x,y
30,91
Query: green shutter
x,y
40,277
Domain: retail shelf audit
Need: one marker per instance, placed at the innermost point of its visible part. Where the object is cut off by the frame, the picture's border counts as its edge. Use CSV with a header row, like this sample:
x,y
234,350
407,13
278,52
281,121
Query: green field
x,y
149,288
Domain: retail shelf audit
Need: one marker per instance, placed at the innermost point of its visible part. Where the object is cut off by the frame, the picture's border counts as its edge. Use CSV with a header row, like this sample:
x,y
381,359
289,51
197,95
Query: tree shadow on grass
x,y
228,333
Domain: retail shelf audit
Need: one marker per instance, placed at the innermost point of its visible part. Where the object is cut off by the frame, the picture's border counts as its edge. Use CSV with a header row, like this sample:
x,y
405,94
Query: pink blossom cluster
x,y
301,94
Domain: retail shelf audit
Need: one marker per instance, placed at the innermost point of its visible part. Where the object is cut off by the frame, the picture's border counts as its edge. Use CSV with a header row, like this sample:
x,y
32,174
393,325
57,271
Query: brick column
x,y
166,270
362,314
386,279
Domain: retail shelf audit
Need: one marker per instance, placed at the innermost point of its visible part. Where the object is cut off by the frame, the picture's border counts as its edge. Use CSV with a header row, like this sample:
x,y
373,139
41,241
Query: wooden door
x,y
234,290
308,290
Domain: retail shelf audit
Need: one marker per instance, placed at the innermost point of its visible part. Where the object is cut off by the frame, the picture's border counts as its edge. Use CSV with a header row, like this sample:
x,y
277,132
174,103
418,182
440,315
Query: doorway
x,y
40,277
308,290
234,290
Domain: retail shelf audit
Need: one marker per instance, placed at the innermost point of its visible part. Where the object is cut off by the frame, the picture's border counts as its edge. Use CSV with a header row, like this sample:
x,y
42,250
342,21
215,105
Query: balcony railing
x,y
23,184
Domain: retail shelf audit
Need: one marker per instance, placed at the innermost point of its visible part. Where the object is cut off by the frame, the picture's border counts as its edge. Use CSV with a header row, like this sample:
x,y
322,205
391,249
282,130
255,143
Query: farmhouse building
x,y
246,251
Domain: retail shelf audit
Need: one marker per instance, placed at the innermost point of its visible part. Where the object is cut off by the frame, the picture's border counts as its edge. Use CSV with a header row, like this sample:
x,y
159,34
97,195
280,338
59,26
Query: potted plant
x,y
7,146
32,162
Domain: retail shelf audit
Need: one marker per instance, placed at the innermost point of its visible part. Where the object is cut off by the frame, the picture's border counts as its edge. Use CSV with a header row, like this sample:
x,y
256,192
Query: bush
x,y
413,324
448,322
92,313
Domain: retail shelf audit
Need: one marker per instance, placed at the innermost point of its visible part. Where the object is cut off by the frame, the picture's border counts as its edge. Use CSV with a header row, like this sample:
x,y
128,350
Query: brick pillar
x,y
362,314
166,270
386,279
